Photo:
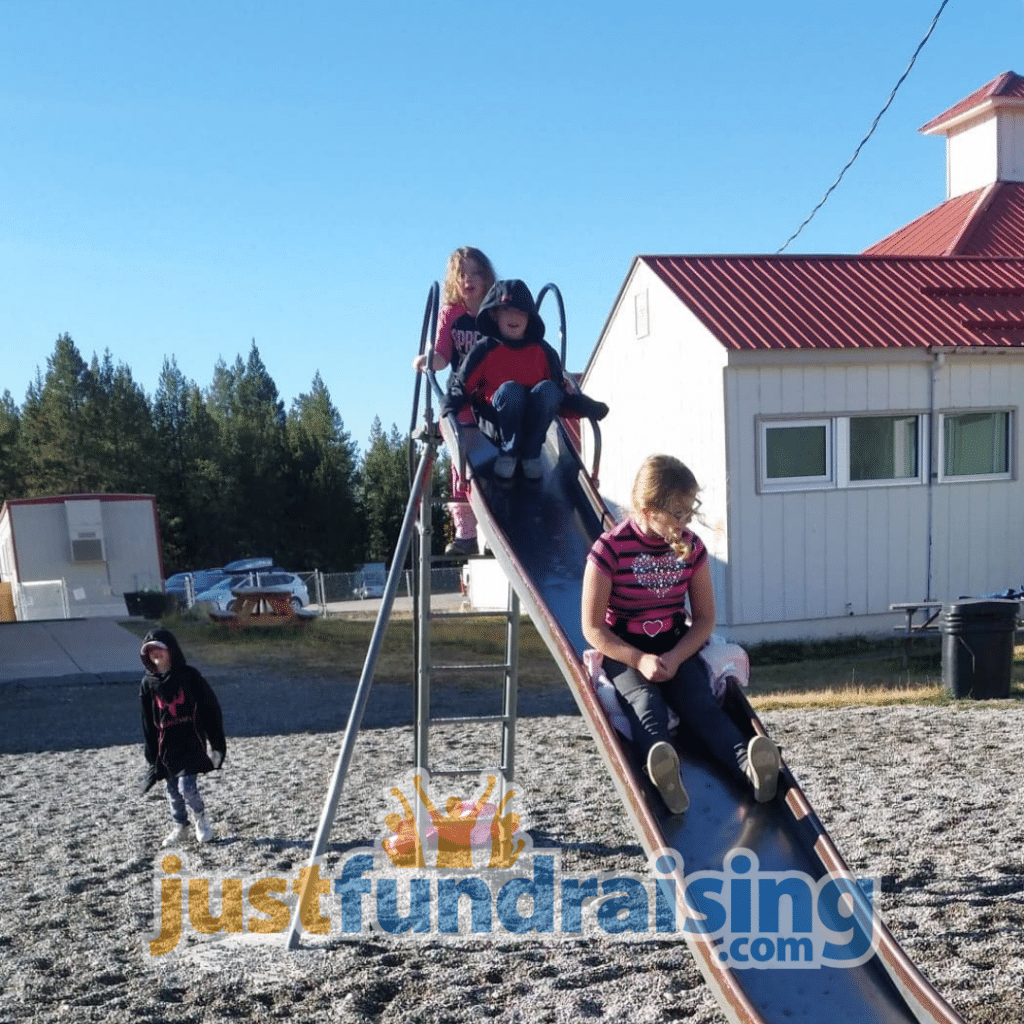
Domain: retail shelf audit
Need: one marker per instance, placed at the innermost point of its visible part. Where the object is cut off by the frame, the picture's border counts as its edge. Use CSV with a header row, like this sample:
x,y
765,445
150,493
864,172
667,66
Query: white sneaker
x,y
177,835
663,769
505,466
204,833
462,546
763,764
532,469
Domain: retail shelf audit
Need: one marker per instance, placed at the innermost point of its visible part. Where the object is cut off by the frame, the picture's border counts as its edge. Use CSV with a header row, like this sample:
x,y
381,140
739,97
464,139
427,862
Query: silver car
x,y
221,596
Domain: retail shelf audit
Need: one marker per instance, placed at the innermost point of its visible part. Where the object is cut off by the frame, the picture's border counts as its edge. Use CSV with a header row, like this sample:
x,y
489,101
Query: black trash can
x,y
977,647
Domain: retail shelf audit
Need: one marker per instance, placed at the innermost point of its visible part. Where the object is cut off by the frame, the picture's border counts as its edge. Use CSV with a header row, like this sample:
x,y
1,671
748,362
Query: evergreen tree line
x,y
233,472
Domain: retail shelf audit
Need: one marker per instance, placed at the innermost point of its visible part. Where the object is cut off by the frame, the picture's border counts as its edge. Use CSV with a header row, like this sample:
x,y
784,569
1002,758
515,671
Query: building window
x,y
884,448
797,453
879,451
842,451
975,444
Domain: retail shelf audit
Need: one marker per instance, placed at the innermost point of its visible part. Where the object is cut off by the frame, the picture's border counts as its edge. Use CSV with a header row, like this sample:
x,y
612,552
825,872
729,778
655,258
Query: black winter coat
x,y
180,716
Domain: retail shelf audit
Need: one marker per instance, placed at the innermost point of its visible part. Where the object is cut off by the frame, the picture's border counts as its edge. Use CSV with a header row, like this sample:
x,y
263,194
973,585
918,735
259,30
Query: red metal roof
x,y
986,222
1008,86
761,303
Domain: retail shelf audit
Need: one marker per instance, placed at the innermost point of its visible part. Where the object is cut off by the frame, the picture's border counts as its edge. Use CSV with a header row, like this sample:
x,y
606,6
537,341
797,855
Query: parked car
x,y
202,579
220,594
373,578
246,565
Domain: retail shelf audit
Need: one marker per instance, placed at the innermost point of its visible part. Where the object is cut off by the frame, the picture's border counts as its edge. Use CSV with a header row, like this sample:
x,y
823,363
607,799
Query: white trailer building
x,y
76,555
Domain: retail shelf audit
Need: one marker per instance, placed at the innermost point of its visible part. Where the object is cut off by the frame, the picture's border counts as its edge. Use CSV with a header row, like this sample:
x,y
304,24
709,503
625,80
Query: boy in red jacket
x,y
514,381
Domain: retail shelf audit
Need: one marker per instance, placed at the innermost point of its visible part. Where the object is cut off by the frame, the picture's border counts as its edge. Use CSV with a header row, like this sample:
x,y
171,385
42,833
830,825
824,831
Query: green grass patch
x,y
844,672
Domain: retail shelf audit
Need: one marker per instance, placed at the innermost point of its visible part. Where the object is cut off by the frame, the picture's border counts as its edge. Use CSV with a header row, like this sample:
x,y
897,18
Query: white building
x,y
854,420
77,555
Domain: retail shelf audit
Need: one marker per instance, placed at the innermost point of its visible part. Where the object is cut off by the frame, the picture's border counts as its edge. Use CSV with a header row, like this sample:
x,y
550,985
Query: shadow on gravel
x,y
44,717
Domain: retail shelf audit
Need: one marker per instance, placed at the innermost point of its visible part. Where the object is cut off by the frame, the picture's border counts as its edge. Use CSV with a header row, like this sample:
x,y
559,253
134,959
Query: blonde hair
x,y
659,479
450,293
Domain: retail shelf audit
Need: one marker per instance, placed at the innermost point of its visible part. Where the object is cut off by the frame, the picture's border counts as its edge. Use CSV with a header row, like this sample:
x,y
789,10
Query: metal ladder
x,y
417,520
426,669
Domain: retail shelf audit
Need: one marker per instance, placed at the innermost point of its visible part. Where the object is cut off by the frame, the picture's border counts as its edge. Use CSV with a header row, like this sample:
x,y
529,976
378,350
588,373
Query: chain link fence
x,y
327,588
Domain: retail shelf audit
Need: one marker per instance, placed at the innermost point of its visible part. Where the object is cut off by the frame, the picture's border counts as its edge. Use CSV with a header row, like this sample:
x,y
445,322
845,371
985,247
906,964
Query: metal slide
x,y
540,533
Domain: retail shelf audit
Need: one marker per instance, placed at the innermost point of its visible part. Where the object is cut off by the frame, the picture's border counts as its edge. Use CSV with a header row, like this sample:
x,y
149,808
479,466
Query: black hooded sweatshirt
x,y
180,715
494,360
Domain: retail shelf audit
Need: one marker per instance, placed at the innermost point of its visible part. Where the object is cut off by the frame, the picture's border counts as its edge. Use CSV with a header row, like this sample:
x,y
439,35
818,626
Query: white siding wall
x,y
972,158
1011,147
665,394
6,548
815,562
978,540
94,588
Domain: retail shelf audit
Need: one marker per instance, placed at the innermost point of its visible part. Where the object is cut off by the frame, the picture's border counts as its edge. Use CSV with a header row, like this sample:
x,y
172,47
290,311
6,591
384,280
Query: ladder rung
x,y
504,666
471,718
490,769
468,615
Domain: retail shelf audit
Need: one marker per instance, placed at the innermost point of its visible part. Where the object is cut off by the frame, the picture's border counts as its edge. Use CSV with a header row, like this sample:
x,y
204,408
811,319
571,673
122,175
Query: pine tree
x,y
385,490
12,460
185,468
59,427
323,474
123,429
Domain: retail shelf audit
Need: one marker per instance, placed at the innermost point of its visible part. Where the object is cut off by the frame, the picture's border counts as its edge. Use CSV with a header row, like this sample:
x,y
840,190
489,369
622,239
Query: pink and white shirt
x,y
649,582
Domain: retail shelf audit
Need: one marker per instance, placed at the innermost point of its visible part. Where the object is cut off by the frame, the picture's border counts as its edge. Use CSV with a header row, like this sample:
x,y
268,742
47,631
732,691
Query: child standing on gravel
x,y
180,716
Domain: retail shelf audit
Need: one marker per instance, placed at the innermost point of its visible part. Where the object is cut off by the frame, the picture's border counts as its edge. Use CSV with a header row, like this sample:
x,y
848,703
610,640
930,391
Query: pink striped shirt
x,y
648,580
456,336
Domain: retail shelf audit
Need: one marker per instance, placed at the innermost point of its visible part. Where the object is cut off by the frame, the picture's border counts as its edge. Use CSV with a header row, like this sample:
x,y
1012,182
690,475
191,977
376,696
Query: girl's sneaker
x,y
462,546
663,769
763,764
532,469
177,834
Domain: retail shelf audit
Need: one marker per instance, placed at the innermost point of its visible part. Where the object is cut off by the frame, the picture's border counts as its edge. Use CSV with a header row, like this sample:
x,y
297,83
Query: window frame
x,y
843,432
837,452
940,446
796,483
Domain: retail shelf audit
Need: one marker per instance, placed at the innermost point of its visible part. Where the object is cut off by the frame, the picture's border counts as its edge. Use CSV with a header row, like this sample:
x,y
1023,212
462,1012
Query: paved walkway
x,y
68,651
74,651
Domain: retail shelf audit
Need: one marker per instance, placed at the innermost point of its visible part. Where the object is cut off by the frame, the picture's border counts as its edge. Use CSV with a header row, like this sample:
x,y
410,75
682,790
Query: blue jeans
x,y
182,790
518,418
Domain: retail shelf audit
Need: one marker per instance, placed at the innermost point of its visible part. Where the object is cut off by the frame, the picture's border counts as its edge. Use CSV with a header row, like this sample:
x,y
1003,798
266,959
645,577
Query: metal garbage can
x,y
977,647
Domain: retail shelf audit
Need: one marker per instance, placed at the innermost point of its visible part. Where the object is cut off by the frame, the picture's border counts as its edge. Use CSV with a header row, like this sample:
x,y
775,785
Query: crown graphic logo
x,y
453,836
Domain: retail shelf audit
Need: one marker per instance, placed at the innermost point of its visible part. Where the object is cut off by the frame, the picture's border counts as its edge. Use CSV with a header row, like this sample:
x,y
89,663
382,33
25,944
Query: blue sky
x,y
177,180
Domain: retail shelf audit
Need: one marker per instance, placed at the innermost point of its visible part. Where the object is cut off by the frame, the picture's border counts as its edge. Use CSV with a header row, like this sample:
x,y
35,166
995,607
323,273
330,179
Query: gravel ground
x,y
927,799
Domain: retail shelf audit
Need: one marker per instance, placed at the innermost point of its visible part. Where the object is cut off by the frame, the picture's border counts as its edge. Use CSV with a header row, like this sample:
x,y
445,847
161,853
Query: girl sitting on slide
x,y
635,588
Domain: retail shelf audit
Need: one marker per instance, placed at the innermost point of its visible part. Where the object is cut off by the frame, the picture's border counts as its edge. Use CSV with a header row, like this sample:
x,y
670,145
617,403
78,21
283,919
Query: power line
x,y
871,130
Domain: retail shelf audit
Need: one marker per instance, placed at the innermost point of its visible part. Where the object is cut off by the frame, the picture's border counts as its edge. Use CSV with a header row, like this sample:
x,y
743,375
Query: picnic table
x,y
262,606
911,608
931,610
